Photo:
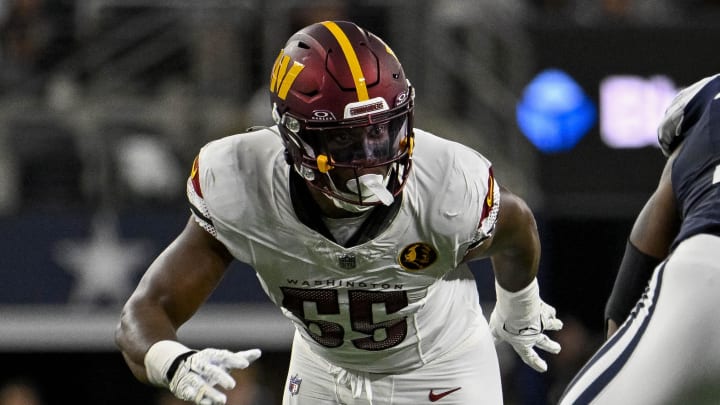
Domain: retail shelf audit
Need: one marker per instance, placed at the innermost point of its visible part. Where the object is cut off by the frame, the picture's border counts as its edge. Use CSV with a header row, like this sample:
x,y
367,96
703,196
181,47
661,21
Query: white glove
x,y
198,374
520,318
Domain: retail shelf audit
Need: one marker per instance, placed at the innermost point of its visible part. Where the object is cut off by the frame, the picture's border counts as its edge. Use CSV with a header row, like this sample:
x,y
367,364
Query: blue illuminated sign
x,y
554,112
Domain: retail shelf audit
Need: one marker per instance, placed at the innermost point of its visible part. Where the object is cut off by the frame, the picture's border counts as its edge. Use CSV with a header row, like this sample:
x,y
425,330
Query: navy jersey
x,y
696,170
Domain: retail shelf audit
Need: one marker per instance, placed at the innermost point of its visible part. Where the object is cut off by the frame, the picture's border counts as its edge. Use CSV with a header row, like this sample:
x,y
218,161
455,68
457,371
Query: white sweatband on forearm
x,y
520,307
160,357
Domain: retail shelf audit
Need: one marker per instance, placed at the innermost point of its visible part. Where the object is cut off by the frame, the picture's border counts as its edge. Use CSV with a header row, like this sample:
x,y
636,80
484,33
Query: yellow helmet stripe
x,y
274,75
351,57
289,79
282,79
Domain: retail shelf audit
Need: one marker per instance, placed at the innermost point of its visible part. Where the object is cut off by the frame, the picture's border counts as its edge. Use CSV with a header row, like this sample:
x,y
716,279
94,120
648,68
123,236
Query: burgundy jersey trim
x,y
195,176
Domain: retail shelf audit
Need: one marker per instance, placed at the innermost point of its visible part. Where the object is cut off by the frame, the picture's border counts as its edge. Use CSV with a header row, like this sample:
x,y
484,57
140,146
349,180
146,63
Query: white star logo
x,y
103,265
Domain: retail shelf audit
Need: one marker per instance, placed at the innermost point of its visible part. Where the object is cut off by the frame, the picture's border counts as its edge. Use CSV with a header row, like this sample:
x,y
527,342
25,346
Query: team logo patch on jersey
x,y
347,261
294,385
417,256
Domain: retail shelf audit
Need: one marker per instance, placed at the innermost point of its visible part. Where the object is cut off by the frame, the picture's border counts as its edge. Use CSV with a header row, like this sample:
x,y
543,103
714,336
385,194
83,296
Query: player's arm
x,y
170,292
520,317
172,289
649,243
514,247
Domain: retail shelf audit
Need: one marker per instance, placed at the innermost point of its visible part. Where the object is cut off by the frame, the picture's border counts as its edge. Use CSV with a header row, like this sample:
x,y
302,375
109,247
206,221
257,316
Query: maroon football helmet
x,y
343,105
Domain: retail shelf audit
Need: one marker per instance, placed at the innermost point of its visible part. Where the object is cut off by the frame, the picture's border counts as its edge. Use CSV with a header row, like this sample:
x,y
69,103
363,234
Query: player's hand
x,y
197,376
197,373
521,319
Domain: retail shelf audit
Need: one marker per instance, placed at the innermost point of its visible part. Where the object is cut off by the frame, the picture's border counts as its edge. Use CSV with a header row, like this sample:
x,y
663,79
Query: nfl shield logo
x,y
294,385
346,261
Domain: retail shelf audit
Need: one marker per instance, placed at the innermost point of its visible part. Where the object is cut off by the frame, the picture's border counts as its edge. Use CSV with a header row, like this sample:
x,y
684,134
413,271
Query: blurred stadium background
x,y
104,104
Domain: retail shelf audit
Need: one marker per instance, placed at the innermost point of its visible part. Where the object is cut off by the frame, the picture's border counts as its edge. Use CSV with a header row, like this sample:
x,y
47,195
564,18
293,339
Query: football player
x,y
358,226
668,340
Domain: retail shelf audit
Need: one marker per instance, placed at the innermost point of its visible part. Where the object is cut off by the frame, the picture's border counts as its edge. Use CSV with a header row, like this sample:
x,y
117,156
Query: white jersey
x,y
391,303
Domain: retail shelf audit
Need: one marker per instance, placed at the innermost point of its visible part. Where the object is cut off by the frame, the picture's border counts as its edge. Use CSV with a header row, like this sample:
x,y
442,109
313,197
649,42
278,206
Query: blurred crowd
x,y
638,12
20,391
129,92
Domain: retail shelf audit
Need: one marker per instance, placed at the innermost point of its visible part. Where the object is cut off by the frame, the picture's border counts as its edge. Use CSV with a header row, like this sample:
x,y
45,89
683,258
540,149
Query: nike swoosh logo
x,y
432,396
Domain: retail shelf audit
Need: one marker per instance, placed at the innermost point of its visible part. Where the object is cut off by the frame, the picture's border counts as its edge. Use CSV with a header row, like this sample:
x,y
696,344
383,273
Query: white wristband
x,y
160,357
520,307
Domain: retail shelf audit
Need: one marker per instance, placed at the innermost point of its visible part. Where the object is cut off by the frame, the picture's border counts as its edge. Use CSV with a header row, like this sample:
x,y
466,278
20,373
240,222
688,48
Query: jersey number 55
x,y
331,334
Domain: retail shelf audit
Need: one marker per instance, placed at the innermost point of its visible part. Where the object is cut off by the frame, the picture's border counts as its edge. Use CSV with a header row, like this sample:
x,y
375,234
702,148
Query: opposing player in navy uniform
x,y
358,226
665,293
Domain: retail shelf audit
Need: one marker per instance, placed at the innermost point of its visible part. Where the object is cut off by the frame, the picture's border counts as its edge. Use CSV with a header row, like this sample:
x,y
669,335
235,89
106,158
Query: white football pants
x,y
468,375
668,350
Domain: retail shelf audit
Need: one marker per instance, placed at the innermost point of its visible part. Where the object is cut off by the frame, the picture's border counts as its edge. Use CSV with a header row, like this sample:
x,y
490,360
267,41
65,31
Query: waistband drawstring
x,y
358,382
